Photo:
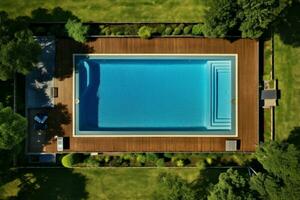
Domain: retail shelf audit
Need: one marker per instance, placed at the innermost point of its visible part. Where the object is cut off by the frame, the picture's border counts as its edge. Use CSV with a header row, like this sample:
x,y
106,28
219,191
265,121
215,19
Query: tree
x,y
257,15
19,50
77,30
281,179
220,19
173,187
231,185
12,128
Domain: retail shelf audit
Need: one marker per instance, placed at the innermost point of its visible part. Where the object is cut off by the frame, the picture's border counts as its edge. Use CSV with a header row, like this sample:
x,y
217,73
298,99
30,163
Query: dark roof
x,y
269,94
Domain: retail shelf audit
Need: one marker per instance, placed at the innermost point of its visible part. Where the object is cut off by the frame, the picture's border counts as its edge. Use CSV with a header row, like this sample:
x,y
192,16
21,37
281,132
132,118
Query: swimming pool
x,y
155,95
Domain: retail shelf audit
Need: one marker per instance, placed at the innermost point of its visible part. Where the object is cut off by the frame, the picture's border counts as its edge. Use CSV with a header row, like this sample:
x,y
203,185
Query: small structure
x,y
269,97
60,143
231,145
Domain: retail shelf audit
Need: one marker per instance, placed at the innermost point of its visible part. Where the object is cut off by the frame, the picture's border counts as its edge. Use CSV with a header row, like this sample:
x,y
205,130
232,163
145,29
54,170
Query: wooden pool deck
x,y
248,99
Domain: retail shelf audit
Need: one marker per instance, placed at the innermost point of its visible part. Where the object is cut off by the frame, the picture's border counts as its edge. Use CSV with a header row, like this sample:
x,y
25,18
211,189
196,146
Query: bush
x,y
70,160
168,31
107,159
187,30
76,30
117,30
197,29
176,31
141,159
127,156
200,164
116,161
179,163
151,157
104,30
131,29
160,162
145,32
209,160
160,28
92,161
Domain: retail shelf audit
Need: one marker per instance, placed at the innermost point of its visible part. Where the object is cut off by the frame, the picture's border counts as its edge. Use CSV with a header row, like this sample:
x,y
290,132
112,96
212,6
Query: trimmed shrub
x,y
76,30
168,30
151,157
200,164
197,29
127,156
178,30
70,159
104,30
160,28
179,163
141,159
145,32
116,161
92,161
160,162
209,160
107,159
131,29
187,30
117,30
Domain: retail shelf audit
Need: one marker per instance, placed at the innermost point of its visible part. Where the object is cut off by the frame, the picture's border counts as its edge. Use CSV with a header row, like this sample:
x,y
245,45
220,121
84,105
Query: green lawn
x,y
119,183
287,71
116,10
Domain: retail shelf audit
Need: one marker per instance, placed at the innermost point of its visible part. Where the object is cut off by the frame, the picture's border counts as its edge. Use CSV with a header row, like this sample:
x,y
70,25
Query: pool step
x,y
220,95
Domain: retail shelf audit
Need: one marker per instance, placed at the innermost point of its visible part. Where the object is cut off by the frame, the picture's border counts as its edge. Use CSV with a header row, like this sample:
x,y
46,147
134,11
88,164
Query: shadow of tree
x,y
288,25
294,137
59,116
53,15
65,48
206,179
51,184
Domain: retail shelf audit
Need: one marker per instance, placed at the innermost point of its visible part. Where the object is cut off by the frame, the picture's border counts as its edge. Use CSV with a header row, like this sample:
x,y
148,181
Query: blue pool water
x,y
154,95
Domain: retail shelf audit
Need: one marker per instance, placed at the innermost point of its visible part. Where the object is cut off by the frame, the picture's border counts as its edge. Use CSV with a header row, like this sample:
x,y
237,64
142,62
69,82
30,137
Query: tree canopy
x,y
251,18
173,187
231,186
281,179
19,50
76,30
12,128
220,19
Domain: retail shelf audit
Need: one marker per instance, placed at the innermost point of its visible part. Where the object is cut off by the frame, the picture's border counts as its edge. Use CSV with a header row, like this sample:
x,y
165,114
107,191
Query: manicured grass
x,y
119,183
287,71
267,76
116,10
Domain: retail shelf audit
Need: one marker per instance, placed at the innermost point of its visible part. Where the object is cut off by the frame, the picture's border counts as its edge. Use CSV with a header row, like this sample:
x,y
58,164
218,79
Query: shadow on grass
x,y
288,25
208,178
53,15
205,181
294,137
51,184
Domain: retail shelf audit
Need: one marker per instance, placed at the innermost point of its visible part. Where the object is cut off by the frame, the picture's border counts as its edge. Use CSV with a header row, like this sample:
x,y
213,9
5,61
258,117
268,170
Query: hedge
x,y
200,160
